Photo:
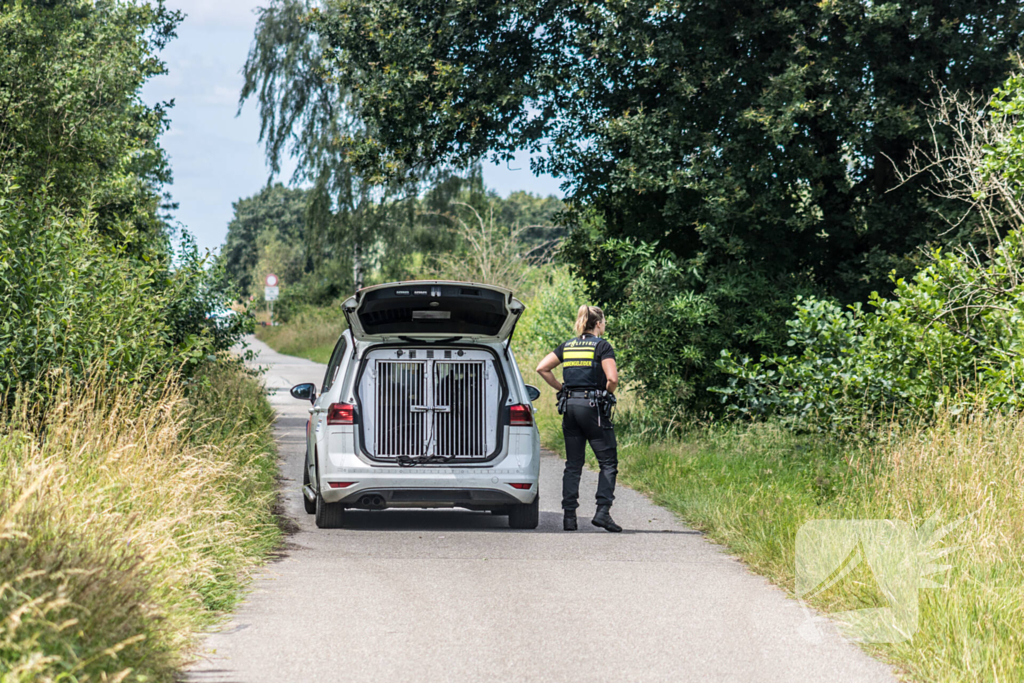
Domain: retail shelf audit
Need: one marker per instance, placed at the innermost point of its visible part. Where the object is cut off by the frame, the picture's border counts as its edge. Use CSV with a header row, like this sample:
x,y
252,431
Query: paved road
x,y
457,596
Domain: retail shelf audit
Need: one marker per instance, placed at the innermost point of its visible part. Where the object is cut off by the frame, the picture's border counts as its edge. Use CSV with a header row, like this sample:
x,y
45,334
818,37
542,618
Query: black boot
x,y
603,519
569,521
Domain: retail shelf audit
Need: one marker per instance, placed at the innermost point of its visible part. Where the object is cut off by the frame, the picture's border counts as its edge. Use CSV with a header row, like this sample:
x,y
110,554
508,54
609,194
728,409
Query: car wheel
x,y
307,504
525,516
327,515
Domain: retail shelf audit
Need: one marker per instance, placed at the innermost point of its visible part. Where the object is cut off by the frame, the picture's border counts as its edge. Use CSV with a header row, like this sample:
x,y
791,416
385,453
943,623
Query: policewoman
x,y
585,400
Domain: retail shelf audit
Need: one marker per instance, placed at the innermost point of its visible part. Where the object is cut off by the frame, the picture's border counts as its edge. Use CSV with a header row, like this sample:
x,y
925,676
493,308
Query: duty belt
x,y
589,393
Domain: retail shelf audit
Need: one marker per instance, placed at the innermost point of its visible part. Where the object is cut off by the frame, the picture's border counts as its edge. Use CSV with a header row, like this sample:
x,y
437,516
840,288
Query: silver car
x,y
423,406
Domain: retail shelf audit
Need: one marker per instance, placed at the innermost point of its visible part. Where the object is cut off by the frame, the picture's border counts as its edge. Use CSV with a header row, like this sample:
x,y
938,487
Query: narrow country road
x,y
457,596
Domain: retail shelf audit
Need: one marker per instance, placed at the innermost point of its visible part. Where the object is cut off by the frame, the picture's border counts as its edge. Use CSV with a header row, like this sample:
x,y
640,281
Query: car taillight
x,y
522,487
520,416
340,484
341,414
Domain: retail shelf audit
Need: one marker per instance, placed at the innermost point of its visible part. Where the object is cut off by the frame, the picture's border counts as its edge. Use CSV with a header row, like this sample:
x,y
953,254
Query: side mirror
x,y
304,392
533,392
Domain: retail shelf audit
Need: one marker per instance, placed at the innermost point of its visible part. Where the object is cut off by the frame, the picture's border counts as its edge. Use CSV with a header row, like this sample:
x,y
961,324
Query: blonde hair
x,y
587,319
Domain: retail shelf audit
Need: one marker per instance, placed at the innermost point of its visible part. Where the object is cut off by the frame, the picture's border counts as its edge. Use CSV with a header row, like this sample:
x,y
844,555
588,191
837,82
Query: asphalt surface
x,y
446,595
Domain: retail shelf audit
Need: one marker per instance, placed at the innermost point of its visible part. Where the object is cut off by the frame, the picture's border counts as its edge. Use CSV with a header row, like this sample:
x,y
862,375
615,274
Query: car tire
x,y
327,515
525,516
308,505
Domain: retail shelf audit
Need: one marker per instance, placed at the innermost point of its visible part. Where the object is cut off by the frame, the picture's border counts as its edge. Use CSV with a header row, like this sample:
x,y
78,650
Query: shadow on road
x,y
466,520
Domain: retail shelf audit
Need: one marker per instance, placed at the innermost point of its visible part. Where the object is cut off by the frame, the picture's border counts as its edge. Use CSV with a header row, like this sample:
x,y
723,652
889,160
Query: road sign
x,y
271,281
270,293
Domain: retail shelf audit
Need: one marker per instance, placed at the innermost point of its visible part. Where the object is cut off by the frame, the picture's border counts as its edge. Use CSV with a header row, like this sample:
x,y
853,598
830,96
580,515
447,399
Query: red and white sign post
x,y
271,290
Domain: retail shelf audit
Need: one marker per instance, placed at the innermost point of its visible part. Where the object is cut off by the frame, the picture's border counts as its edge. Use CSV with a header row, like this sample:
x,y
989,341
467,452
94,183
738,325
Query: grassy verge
x,y
311,334
127,522
752,488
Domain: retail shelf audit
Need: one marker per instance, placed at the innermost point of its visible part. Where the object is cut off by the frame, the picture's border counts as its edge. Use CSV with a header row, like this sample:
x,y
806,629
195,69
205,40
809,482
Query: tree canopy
x,y
275,209
755,142
90,282
71,114
309,116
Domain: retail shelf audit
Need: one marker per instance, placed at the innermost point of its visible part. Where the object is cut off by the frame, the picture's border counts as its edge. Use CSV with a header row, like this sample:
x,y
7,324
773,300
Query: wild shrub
x,y
73,303
73,116
549,315
671,326
950,338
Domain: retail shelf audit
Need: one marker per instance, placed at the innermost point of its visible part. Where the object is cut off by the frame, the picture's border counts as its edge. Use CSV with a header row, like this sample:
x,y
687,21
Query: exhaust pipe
x,y
372,501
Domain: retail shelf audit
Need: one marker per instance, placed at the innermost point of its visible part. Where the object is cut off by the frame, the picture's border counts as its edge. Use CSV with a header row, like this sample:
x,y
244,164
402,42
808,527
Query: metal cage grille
x,y
400,430
460,415
430,408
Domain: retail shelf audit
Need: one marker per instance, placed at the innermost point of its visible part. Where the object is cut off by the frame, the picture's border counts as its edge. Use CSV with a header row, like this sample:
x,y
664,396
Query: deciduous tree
x,y
756,142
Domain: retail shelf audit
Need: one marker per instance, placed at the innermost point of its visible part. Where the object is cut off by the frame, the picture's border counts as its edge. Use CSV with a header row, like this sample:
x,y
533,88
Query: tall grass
x,y
310,334
128,521
971,470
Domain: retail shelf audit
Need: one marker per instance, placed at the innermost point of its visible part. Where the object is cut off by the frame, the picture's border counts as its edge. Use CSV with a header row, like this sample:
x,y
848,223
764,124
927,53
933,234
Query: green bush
x,y
952,338
549,315
74,119
72,303
672,324
1005,159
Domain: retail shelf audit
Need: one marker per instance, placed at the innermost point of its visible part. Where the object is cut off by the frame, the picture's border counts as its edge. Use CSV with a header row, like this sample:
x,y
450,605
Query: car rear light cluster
x,y
520,416
340,484
522,487
341,414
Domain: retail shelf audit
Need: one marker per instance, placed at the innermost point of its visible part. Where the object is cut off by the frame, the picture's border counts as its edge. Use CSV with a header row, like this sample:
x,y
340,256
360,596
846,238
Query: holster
x,y
605,403
563,398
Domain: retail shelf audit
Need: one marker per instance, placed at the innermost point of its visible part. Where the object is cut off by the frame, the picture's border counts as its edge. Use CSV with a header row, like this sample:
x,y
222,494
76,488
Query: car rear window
x,y
433,309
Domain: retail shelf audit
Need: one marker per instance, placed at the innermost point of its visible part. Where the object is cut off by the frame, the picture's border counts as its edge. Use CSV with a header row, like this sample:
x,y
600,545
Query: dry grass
x,y
129,521
970,470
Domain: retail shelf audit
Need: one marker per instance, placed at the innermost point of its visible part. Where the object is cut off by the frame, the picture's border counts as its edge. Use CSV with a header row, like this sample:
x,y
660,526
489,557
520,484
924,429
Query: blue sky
x,y
215,156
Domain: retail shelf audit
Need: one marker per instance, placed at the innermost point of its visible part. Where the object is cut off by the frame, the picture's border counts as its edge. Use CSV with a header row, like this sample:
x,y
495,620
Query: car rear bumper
x,y
425,498
481,488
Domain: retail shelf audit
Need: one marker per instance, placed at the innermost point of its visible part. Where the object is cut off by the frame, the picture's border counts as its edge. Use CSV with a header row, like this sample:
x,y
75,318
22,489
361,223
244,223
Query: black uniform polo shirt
x,y
581,362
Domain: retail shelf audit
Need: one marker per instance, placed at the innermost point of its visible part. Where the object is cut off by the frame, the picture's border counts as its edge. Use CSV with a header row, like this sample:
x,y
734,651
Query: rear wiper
x,y
427,341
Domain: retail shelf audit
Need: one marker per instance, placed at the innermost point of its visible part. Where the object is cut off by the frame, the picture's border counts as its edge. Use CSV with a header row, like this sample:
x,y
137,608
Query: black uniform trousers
x,y
582,423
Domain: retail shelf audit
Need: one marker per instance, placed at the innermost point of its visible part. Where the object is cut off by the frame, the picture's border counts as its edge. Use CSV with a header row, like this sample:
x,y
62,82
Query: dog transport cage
x,y
439,404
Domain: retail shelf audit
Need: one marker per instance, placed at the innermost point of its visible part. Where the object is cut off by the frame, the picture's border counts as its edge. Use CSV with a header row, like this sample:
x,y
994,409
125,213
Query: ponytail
x,y
587,319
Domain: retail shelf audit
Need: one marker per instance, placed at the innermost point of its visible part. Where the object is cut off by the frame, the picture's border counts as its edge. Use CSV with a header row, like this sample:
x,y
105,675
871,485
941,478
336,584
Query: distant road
x,y
457,596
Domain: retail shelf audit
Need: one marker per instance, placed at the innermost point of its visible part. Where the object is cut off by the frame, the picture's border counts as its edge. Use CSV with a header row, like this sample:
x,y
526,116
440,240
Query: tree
x,y
755,142
274,208
307,115
950,338
71,115
90,286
